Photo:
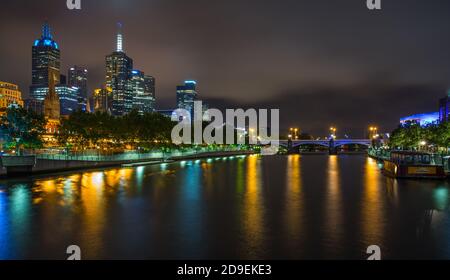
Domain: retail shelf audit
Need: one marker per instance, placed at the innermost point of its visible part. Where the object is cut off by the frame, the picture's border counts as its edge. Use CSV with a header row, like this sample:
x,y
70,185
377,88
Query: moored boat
x,y
412,164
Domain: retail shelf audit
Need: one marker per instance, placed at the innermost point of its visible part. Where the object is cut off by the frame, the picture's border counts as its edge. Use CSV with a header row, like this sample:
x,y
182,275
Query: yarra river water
x,y
277,207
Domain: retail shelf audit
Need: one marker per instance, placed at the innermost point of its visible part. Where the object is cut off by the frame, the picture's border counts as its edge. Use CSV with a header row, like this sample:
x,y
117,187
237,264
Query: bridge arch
x,y
340,144
312,143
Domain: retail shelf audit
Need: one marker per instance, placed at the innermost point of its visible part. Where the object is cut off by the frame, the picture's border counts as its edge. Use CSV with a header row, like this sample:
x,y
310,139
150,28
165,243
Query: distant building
x,y
143,87
34,105
444,108
45,56
118,74
68,97
102,100
9,95
78,77
422,119
186,95
167,113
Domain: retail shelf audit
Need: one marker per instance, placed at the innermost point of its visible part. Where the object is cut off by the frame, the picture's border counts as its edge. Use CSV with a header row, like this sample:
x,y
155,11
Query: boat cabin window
x,y
411,158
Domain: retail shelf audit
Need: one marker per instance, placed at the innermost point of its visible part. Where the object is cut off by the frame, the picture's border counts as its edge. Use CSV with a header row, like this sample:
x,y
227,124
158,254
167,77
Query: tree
x,y
84,130
22,128
409,135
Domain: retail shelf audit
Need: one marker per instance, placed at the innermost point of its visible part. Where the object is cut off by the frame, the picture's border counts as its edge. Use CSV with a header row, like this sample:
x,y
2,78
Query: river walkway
x,y
55,163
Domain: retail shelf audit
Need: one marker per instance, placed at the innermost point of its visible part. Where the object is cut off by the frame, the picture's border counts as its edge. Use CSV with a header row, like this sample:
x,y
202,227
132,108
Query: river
x,y
247,207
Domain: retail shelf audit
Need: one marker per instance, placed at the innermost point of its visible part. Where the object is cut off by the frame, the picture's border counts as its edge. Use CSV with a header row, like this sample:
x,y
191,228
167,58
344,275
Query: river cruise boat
x,y
410,164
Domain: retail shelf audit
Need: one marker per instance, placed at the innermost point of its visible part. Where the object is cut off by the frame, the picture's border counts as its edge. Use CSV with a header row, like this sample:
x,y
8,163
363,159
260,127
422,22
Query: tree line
x,y
102,131
412,135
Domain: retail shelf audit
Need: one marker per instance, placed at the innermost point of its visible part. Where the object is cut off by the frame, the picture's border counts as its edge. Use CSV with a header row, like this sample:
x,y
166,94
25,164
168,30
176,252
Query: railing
x,y
435,158
379,153
134,156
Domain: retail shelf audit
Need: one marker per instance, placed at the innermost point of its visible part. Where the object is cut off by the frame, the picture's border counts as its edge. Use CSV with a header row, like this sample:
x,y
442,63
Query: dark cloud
x,y
353,65
351,110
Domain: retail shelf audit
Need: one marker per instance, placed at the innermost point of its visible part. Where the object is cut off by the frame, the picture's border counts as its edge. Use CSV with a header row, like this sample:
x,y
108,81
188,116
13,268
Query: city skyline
x,y
359,84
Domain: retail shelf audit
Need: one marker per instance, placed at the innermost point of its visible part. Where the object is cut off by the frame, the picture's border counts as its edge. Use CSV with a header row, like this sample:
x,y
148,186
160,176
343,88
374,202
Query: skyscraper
x,y
186,95
45,56
143,87
78,77
118,74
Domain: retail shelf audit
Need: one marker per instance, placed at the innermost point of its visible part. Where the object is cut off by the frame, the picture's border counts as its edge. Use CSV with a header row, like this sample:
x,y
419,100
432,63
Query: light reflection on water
x,y
280,207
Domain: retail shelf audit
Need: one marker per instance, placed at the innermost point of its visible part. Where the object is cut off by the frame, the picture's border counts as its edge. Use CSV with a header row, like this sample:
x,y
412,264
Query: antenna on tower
x,y
119,38
46,32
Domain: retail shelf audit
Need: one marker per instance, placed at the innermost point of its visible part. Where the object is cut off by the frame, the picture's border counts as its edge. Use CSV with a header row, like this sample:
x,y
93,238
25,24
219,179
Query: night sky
x,y
321,62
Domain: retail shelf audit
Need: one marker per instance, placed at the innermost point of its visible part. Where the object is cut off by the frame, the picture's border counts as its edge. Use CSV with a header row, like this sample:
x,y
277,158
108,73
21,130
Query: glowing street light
x,y
333,132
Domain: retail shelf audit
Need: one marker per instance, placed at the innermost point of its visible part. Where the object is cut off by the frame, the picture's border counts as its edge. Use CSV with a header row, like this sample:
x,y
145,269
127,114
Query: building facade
x,y
143,88
9,95
444,108
45,55
186,95
78,77
118,74
68,97
422,119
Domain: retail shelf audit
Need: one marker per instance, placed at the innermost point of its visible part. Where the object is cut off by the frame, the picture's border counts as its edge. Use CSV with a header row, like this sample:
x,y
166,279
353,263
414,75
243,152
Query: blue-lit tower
x,y
45,56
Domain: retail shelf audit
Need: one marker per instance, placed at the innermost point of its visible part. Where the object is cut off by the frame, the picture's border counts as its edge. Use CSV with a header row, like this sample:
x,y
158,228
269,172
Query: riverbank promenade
x,y
53,163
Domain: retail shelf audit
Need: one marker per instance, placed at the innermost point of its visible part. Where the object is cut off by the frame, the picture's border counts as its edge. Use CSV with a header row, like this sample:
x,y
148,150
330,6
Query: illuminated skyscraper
x,y
186,95
78,77
143,87
45,56
118,75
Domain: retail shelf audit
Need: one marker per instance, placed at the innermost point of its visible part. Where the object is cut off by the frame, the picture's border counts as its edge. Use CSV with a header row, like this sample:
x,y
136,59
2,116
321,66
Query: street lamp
x,y
333,131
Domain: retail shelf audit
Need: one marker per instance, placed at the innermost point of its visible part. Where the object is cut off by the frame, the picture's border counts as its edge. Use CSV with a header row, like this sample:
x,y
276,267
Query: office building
x,y
186,95
78,77
45,56
143,87
118,74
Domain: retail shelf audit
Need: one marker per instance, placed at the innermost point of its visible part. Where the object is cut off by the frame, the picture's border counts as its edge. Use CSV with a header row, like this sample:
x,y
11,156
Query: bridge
x,y
331,144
